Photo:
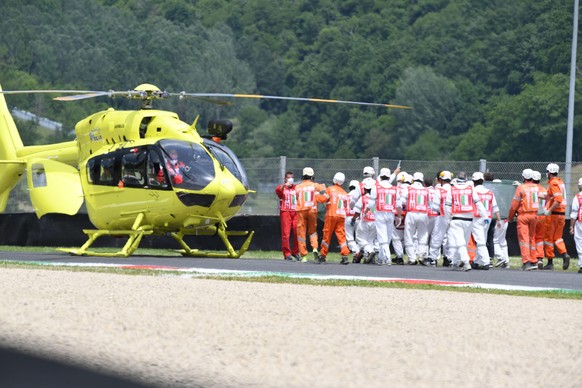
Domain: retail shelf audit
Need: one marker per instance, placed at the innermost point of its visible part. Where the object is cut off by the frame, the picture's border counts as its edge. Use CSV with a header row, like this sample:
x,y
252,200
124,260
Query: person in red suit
x,y
287,195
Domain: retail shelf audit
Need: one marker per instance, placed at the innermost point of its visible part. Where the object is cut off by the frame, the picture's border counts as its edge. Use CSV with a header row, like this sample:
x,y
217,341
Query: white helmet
x,y
477,176
579,182
408,179
369,171
308,171
461,177
368,183
527,174
401,176
418,176
446,175
385,172
339,178
537,176
354,183
553,168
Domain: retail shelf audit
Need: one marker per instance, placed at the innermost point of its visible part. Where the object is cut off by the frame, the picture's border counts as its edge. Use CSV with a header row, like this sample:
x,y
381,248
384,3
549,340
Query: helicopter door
x,y
54,187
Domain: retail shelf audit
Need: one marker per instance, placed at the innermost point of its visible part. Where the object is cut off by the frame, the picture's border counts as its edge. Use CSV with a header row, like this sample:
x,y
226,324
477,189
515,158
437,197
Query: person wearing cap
x,y
481,225
541,225
349,225
525,204
336,200
288,215
307,213
415,199
555,212
438,237
383,203
576,223
365,229
460,205
403,180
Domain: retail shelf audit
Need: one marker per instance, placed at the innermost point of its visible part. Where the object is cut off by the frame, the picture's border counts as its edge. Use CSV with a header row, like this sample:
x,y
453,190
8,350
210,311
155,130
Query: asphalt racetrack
x,y
495,277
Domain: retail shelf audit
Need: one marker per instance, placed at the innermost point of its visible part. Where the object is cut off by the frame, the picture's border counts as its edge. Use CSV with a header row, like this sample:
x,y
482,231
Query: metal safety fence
x,y
266,173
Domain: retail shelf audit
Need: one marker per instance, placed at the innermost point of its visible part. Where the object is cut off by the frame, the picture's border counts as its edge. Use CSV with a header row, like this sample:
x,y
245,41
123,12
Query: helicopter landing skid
x,y
223,234
134,238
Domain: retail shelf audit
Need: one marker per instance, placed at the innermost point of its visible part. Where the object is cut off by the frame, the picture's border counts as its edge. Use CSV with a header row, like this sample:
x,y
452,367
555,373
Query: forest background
x,y
486,79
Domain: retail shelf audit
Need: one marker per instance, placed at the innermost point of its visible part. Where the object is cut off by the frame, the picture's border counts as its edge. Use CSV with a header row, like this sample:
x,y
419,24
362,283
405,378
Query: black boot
x,y
446,262
566,263
345,260
549,266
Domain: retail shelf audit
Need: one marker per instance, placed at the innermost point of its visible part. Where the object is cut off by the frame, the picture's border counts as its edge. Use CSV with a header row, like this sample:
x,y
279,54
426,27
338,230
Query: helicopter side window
x,y
133,168
156,176
93,170
38,175
107,171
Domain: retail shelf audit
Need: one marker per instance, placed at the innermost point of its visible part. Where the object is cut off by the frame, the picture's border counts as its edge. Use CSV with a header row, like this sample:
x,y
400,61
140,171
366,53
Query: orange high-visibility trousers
x,y
472,249
540,230
334,225
553,235
526,234
307,222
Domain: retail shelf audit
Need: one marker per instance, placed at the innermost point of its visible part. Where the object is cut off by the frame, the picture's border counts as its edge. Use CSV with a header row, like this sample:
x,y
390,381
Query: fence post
x,y
483,165
376,164
282,167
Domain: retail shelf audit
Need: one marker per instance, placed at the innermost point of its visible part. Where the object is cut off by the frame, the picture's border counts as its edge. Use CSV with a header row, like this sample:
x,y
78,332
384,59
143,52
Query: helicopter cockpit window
x,y
228,159
188,165
133,168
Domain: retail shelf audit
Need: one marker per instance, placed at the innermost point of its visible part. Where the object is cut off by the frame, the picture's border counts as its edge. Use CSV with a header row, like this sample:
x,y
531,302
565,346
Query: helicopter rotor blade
x,y
265,97
201,98
212,98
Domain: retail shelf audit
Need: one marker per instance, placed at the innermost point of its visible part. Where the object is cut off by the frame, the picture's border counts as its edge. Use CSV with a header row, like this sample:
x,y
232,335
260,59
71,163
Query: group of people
x,y
456,218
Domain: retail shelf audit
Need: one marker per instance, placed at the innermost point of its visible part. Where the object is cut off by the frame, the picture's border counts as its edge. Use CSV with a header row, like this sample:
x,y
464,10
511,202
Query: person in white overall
x,y
383,204
365,228
576,223
481,225
460,205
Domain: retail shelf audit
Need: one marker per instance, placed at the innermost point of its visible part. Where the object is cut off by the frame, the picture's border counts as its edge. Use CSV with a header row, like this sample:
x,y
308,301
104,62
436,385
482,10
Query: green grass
x,y
515,263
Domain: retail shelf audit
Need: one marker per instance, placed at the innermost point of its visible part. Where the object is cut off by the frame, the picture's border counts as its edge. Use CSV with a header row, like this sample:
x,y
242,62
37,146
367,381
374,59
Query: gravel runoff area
x,y
182,332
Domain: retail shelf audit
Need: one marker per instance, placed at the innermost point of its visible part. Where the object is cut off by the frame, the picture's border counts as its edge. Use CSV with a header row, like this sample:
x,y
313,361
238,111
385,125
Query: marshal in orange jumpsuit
x,y
526,203
556,218
336,200
541,225
307,212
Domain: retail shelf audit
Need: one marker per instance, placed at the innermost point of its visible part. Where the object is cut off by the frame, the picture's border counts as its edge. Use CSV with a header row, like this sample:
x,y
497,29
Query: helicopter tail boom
x,y
11,169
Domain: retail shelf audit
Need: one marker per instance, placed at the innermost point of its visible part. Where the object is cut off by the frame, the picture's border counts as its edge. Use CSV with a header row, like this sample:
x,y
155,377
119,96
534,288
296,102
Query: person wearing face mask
x,y
336,201
174,167
555,211
366,228
287,195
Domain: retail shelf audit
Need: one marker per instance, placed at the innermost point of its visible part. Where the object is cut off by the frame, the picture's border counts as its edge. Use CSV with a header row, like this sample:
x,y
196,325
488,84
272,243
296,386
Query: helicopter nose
x,y
226,193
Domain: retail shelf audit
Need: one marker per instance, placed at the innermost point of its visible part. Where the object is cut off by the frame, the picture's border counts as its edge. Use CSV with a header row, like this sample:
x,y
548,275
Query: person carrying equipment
x,y
307,213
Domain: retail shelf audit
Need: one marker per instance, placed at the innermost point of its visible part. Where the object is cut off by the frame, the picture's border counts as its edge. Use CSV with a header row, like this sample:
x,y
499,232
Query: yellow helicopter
x,y
140,172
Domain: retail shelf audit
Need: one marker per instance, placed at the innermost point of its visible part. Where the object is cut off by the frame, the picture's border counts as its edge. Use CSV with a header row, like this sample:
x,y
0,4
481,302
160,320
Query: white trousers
x,y
398,241
479,231
366,235
457,237
416,225
384,231
350,239
436,235
500,243
578,241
